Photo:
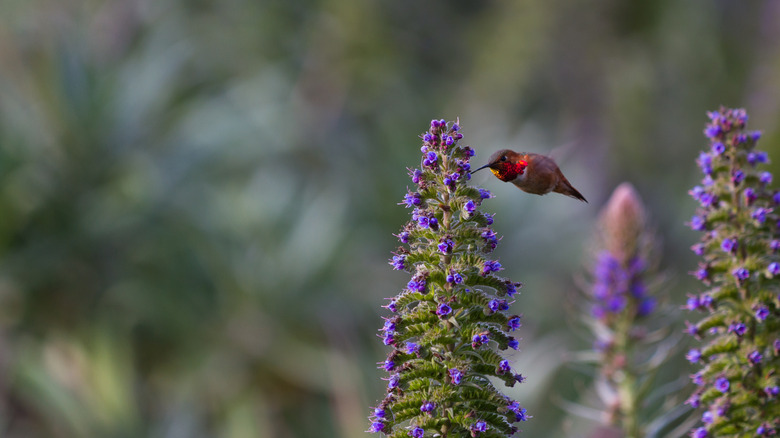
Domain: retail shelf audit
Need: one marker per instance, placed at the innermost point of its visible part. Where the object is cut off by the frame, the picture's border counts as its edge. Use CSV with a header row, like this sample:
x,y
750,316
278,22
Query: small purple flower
x,y
454,278
693,355
416,285
707,417
511,288
479,426
697,379
737,177
718,148
380,413
741,274
450,141
393,381
738,328
773,269
455,127
697,223
423,221
750,195
772,391
416,174
699,433
443,310
427,407
707,301
521,415
434,123
417,432
729,245
387,365
433,223
456,376
698,249
646,306
702,273
404,236
513,344
705,163
722,384
398,262
759,214
761,313
514,323
755,357
446,245
412,347
491,266
388,339
412,199
713,131
470,206
503,367
694,401
427,138
765,178
485,194
376,426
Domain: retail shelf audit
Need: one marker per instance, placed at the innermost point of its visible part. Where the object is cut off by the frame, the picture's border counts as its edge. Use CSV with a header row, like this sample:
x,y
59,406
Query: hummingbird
x,y
531,173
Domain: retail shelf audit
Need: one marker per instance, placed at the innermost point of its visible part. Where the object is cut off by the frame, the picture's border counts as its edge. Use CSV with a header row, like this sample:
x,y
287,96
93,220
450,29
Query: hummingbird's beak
x,y
474,171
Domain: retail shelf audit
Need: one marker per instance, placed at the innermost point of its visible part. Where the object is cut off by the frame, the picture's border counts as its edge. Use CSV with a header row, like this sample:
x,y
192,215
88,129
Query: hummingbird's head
x,y
506,165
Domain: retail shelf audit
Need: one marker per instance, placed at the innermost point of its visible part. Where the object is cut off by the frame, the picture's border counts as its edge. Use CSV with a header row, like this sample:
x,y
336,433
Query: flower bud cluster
x,y
738,380
449,322
629,342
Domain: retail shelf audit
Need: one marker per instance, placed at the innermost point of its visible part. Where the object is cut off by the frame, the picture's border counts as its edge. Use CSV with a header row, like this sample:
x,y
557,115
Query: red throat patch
x,y
509,171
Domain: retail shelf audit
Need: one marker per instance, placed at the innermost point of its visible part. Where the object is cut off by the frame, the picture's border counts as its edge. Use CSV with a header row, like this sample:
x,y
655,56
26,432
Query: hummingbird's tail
x,y
565,188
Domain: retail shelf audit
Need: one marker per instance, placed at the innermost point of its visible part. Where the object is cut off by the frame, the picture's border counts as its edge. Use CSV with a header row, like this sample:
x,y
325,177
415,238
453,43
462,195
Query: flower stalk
x,y
452,318
739,326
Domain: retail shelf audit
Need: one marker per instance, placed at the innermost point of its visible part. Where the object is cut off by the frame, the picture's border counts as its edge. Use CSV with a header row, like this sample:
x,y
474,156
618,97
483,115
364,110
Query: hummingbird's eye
x,y
503,158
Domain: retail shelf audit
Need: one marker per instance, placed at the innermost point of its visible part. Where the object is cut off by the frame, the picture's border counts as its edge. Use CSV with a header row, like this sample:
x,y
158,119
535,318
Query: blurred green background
x,y
197,198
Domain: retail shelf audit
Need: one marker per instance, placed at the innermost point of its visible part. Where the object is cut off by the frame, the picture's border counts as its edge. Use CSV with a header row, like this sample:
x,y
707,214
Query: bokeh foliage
x,y
197,197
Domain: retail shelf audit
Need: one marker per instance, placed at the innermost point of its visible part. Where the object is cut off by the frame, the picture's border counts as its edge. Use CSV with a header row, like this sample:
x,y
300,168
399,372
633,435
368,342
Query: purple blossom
x,y
416,174
455,127
417,432
702,273
729,245
388,339
376,426
443,310
707,417
427,407
503,367
759,214
694,401
398,262
514,323
387,365
738,328
456,376
755,357
773,268
491,266
412,199
404,236
513,344
765,178
412,347
697,223
417,284
772,391
446,245
380,413
699,433
393,381
479,426
713,131
698,249
470,206
485,194
718,148
750,195
450,141
722,384
741,274
737,176
693,355
761,313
